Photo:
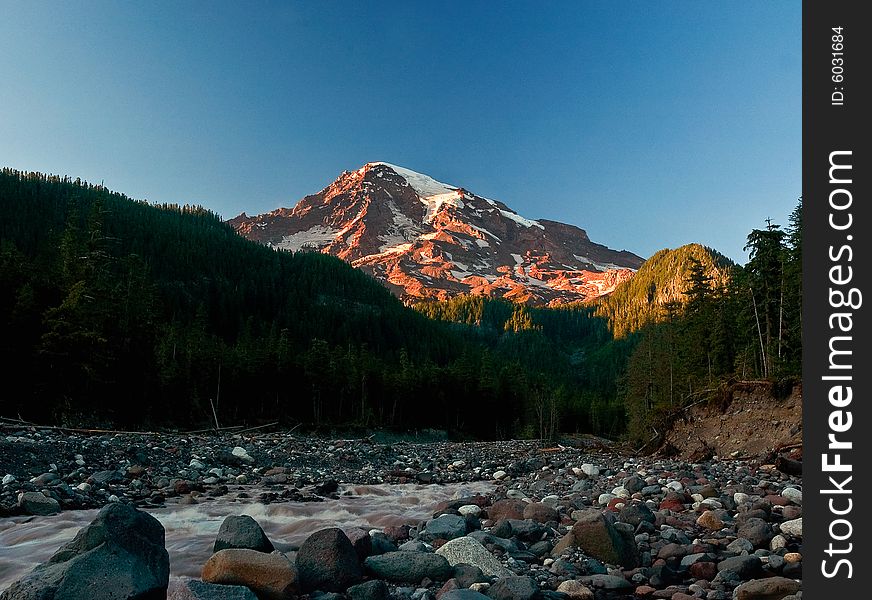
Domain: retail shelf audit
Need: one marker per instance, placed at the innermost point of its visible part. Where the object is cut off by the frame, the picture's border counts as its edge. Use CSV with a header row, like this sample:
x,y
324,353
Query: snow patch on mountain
x,y
521,220
424,185
316,237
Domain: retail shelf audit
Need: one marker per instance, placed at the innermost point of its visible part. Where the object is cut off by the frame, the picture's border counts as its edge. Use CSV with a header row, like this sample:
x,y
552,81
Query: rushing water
x,y
191,529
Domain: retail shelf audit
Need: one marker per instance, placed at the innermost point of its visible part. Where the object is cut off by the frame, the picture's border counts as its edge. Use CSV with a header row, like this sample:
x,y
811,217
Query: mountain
x,y
662,281
427,239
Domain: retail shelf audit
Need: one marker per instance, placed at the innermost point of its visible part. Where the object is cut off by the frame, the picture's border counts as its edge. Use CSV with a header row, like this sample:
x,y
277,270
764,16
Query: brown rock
x,y
508,508
704,570
270,576
540,512
673,501
575,590
328,561
670,550
644,590
710,520
771,588
601,540
396,533
565,542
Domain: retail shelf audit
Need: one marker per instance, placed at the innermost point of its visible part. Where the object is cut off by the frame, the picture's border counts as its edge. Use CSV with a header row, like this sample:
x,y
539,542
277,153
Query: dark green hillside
x,y
117,311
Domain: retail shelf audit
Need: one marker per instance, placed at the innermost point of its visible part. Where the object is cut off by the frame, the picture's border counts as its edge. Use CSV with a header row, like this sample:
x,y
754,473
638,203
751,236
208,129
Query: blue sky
x,y
649,124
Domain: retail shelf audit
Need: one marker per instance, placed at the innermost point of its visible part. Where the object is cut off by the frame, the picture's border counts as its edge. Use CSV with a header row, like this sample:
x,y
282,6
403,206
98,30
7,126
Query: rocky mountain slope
x,y
427,239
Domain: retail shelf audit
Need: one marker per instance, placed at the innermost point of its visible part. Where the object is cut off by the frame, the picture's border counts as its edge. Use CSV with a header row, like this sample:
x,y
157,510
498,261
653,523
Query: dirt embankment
x,y
747,419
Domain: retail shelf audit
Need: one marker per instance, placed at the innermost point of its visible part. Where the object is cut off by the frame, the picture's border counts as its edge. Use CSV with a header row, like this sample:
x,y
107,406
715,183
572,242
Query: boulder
x,y
514,587
371,590
598,538
635,513
710,520
745,567
445,527
507,508
771,588
466,550
792,528
36,503
193,589
241,531
360,540
463,595
575,590
540,512
270,576
120,554
327,561
408,567
757,531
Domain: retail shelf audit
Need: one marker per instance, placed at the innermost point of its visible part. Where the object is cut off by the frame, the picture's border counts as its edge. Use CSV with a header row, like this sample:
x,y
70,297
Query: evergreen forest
x,y
118,312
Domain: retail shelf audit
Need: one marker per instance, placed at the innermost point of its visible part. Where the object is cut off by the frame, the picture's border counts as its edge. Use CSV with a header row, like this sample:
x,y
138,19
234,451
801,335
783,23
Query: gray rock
x,y
35,503
380,543
413,546
466,575
194,589
606,582
446,527
327,561
691,559
529,531
634,484
241,531
469,551
634,514
740,545
104,477
793,528
463,595
792,494
745,567
590,470
45,479
513,587
757,531
408,567
371,590
120,554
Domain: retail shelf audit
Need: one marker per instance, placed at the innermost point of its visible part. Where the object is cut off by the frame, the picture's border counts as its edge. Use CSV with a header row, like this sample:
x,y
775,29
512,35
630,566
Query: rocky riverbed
x,y
559,522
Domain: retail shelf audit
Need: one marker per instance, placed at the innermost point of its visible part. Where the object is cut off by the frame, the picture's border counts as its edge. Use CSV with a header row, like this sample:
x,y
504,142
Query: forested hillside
x,y
657,289
745,326
119,312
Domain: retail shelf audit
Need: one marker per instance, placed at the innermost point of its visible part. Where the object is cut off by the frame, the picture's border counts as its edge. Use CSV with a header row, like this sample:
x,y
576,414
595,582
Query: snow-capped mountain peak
x,y
425,238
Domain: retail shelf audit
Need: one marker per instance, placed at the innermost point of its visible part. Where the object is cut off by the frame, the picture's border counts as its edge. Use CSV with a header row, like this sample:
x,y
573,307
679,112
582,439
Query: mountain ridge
x,y
426,239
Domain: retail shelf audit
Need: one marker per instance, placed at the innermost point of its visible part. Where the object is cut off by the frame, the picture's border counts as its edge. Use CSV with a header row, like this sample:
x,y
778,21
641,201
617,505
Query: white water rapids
x,y
191,529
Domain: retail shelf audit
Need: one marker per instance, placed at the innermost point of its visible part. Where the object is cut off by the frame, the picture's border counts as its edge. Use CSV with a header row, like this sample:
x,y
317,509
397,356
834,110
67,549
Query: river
x,y
191,528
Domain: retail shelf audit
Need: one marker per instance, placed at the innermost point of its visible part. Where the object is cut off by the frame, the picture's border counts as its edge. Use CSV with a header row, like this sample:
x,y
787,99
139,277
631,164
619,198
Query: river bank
x,y
561,522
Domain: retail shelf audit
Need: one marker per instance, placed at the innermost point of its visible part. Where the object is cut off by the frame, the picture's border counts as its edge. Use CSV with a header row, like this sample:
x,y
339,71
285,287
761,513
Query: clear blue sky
x,y
650,124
